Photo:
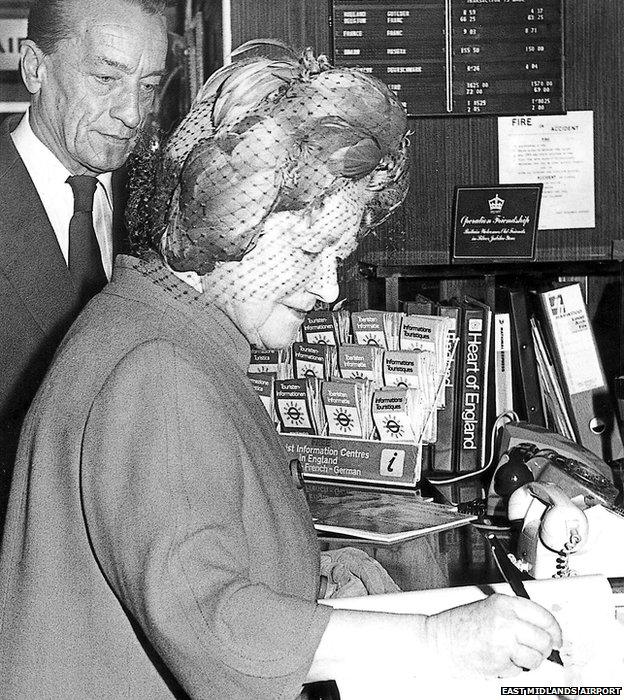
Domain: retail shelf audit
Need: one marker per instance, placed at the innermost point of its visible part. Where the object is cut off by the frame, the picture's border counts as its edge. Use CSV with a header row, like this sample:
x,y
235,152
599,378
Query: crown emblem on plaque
x,y
496,204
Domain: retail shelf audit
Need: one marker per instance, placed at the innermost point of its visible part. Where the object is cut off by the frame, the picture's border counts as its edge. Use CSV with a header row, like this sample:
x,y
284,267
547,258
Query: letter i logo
x,y
391,463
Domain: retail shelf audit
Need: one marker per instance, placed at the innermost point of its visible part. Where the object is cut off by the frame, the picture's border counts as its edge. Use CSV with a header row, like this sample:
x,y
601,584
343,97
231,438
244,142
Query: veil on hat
x,y
266,135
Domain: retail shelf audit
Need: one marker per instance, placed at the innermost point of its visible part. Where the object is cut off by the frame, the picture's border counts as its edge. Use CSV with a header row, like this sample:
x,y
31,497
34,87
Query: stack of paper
x,y
592,652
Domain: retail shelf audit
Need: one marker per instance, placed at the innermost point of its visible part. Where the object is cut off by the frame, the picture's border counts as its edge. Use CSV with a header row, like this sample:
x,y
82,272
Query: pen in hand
x,y
513,578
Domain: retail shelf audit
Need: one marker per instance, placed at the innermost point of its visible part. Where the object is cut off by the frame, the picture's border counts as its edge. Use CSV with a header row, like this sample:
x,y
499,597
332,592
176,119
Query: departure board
x,y
448,57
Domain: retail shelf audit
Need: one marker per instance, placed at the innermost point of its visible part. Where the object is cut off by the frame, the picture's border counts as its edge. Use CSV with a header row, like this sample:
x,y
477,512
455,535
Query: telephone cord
x,y
562,562
501,420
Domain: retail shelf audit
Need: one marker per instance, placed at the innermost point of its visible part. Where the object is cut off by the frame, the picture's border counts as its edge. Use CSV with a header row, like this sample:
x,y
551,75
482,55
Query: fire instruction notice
x,y
557,151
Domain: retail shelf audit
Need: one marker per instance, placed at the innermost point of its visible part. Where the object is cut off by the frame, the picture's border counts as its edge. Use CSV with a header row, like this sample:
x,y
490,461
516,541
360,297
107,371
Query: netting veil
x,y
311,154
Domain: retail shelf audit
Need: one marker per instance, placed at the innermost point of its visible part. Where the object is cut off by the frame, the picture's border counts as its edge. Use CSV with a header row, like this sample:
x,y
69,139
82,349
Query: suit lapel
x,y
30,256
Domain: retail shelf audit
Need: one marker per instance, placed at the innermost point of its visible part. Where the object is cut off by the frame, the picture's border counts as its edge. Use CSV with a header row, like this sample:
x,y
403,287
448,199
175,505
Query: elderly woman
x,y
157,544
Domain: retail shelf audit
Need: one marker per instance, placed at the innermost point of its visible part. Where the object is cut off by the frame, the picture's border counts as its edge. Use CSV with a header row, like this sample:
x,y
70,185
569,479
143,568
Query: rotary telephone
x,y
564,499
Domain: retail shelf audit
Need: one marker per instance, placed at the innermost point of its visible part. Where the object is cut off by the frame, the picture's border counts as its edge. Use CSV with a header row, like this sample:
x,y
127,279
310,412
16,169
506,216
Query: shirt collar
x,y
35,153
38,158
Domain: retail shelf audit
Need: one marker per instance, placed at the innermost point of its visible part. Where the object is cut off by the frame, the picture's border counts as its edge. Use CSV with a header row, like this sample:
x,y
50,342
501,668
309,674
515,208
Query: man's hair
x,y
48,20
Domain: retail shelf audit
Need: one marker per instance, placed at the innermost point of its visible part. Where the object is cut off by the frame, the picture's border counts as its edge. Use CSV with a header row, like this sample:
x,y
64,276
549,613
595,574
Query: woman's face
x,y
293,265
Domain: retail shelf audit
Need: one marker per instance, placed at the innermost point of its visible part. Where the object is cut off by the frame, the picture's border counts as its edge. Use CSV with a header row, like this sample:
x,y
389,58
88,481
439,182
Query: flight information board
x,y
446,57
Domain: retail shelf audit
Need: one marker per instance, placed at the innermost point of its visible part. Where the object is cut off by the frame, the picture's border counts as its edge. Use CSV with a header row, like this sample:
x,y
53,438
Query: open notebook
x,y
592,652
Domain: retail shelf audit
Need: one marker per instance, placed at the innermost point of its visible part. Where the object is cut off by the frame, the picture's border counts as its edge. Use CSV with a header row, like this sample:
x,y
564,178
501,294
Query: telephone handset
x,y
564,496
553,529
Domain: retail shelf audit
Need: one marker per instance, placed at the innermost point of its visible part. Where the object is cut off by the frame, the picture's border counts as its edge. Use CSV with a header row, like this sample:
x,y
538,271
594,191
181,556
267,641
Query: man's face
x,y
292,267
98,86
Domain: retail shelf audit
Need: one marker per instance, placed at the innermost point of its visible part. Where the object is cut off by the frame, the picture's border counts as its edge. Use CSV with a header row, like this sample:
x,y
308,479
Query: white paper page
x,y
592,652
557,151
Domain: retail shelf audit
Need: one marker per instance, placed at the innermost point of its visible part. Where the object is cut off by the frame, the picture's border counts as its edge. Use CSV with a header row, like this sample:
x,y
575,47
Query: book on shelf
x,y
379,516
471,422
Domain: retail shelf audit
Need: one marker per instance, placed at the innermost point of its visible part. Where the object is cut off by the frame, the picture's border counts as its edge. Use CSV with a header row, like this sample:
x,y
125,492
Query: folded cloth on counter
x,y
349,572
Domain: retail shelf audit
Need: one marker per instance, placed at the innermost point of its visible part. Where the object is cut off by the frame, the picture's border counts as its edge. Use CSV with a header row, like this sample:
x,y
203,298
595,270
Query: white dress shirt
x,y
49,176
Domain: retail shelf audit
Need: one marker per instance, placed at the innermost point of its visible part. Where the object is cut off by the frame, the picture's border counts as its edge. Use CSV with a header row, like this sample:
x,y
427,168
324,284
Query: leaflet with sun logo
x,y
380,328
264,384
277,362
415,369
361,362
403,415
313,360
428,333
298,405
409,369
326,327
347,407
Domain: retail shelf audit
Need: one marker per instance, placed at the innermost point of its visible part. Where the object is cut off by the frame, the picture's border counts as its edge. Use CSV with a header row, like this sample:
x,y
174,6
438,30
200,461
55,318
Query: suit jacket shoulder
x,y
31,261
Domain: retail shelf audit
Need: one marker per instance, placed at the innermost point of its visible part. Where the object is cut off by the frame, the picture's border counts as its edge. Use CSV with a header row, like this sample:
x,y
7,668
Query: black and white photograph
x,y
311,349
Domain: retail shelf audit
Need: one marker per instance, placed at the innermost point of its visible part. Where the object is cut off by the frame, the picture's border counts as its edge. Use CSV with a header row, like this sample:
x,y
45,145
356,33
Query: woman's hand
x,y
498,636
351,572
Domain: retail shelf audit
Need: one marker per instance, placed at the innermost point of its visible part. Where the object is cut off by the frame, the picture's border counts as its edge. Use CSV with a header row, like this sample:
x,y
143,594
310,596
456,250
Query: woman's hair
x,y
49,21
287,135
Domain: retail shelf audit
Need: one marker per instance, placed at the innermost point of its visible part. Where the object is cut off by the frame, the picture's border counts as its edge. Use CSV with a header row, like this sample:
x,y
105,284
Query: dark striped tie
x,y
85,259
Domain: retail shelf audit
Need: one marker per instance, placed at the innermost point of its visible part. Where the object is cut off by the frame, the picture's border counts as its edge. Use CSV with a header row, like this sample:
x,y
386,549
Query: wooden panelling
x,y
297,22
463,150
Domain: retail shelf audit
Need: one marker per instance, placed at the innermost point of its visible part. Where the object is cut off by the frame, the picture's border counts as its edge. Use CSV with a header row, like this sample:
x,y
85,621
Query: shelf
x,y
494,268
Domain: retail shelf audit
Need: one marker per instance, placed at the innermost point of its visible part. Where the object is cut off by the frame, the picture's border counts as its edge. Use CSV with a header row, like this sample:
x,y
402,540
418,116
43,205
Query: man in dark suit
x,y
92,70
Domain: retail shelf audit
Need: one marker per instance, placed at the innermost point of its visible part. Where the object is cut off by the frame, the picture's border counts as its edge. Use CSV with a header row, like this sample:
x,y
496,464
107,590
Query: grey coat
x,y
156,545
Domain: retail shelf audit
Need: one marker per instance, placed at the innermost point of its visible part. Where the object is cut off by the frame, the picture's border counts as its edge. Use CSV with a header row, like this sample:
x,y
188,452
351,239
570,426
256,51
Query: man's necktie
x,y
85,259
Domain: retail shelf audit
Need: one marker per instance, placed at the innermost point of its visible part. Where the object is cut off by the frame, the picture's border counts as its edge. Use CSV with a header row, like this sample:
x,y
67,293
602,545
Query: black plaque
x,y
496,223
446,57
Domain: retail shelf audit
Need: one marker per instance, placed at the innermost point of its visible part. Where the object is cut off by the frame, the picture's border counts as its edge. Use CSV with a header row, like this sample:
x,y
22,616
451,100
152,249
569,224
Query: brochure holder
x,y
358,461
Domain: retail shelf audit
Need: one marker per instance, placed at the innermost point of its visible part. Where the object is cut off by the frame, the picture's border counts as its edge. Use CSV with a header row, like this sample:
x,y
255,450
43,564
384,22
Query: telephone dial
x,y
565,501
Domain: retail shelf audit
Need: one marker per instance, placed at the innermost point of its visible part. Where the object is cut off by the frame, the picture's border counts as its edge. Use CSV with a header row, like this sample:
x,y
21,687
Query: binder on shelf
x,y
618,388
503,373
471,422
442,451
575,354
527,397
